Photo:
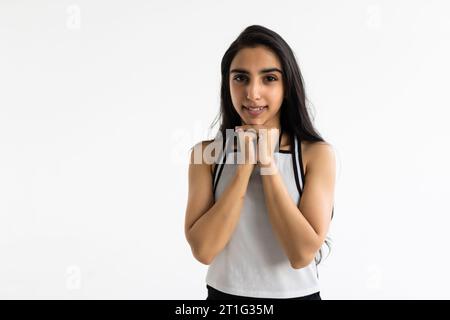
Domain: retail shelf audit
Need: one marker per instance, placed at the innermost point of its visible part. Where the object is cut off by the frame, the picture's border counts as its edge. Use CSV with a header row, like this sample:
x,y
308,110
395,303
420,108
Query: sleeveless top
x,y
253,263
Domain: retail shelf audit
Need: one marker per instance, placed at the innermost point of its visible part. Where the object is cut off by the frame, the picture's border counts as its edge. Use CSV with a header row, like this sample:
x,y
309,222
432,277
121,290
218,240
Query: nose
x,y
253,91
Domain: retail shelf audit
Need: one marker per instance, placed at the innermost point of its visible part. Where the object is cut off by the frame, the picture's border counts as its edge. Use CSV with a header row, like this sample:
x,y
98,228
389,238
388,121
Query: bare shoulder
x,y
317,154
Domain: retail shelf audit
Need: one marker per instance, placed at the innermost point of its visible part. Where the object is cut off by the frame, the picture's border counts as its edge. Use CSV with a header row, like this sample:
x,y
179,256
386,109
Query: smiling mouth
x,y
254,111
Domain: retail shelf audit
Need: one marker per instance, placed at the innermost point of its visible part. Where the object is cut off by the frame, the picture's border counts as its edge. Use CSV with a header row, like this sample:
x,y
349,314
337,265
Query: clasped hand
x,y
266,142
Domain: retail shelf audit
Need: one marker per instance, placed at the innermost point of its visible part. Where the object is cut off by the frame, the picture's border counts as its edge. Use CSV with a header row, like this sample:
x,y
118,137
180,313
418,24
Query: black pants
x,y
214,294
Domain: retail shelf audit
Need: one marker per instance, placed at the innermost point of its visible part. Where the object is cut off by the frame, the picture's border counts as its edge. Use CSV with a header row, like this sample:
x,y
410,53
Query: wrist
x,y
268,169
245,169
266,162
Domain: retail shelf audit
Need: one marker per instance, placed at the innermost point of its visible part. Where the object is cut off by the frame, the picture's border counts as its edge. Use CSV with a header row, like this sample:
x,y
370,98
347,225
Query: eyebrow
x,y
261,71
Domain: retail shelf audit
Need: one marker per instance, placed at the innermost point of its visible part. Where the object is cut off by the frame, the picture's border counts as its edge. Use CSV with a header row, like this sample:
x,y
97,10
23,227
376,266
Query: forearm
x,y
296,235
210,234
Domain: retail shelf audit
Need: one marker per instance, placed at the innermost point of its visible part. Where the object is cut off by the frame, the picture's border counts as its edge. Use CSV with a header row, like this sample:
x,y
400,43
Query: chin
x,y
254,121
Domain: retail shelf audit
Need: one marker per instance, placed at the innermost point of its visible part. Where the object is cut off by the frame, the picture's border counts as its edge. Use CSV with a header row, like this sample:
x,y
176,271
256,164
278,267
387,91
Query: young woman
x,y
260,223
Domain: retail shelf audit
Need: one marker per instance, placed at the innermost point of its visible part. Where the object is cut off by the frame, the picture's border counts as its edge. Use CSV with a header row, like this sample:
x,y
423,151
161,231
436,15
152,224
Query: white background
x,y
100,102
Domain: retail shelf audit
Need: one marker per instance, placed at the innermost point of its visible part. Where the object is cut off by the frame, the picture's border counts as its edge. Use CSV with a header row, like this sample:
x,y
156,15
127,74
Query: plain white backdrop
x,y
100,102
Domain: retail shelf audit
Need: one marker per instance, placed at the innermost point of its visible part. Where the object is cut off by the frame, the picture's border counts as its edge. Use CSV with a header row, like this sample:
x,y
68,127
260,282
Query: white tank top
x,y
253,263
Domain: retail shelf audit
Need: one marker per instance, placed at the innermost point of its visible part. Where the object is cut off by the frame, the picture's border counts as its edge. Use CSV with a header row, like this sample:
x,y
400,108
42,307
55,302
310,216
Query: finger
x,y
253,130
246,126
245,136
251,133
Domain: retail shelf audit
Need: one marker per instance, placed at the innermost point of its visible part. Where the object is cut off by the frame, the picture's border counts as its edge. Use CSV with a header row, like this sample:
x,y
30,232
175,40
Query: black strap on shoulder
x,y
279,139
296,164
220,164
300,157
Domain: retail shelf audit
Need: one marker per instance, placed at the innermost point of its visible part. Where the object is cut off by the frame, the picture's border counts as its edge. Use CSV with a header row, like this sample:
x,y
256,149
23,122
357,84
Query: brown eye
x,y
271,79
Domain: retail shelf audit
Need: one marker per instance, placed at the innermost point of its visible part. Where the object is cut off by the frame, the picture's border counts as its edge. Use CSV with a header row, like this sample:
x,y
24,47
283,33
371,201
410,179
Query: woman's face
x,y
256,86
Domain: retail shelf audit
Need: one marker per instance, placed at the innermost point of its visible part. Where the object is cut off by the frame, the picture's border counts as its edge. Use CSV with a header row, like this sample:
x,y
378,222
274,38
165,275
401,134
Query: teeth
x,y
254,109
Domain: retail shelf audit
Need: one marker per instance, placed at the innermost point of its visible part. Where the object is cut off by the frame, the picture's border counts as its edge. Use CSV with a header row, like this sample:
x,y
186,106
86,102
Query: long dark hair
x,y
294,117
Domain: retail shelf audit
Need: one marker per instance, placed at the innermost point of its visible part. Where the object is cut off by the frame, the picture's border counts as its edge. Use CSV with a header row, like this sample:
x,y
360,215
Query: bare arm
x,y
302,230
209,225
